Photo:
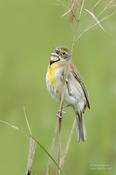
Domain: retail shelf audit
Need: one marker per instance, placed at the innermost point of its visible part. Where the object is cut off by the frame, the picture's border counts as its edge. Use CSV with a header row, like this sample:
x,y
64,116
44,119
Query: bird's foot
x,y
59,114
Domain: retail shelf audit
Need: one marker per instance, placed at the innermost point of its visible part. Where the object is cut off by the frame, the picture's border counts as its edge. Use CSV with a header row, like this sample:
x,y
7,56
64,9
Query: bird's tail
x,y
81,131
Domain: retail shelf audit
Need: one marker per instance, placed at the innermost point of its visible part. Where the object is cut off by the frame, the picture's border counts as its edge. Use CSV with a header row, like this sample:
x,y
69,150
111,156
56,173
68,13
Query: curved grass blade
x,y
44,149
93,25
95,18
30,136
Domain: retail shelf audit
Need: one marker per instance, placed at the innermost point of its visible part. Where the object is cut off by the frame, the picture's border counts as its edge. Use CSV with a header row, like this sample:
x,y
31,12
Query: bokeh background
x,y
29,29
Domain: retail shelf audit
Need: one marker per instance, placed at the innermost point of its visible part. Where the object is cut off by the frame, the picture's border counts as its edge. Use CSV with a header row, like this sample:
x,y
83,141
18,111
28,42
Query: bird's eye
x,y
63,53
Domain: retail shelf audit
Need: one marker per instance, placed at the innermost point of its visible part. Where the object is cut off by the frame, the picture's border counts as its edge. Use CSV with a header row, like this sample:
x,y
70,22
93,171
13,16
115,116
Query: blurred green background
x,y
29,29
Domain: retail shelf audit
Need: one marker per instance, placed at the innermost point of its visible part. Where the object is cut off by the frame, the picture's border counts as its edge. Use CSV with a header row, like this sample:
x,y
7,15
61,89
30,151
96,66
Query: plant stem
x,y
59,143
60,112
52,147
31,154
68,143
77,24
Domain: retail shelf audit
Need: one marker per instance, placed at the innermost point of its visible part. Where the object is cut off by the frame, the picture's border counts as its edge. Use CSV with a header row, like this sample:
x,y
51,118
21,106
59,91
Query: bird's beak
x,y
54,58
55,55
57,50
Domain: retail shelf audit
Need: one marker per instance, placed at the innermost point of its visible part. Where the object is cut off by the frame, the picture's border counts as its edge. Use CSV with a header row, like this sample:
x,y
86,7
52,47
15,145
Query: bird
x,y
75,92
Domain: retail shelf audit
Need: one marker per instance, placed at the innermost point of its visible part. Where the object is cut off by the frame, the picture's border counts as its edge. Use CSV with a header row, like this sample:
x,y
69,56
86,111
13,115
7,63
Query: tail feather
x,y
81,131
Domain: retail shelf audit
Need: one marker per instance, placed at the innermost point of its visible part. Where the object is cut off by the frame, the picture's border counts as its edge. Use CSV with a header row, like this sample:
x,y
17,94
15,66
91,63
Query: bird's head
x,y
61,54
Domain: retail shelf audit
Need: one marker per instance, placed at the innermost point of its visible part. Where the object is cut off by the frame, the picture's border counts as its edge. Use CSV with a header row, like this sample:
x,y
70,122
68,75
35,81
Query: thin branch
x,y
68,143
52,147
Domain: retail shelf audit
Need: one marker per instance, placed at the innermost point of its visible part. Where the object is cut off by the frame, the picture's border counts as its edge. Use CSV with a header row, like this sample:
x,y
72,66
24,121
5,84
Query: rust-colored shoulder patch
x,y
80,80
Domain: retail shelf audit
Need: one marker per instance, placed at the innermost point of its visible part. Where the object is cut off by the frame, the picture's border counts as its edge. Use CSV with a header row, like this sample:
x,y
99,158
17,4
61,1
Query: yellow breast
x,y
52,70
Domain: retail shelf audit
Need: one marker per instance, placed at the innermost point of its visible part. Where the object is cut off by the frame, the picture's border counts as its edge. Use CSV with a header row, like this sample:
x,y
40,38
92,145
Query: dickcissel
x,y
75,93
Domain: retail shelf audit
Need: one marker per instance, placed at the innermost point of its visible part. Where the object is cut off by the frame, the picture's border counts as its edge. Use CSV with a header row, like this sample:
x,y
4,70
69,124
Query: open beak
x,y
56,50
55,55
54,58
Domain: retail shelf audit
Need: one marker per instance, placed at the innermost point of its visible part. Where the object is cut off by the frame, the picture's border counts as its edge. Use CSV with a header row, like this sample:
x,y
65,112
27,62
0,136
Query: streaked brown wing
x,y
80,80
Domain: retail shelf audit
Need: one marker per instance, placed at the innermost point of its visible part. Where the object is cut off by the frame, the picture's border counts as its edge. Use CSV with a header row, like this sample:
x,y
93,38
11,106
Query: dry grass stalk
x,y
63,90
97,3
14,127
59,143
105,8
33,138
60,113
68,143
52,147
77,19
59,123
73,10
77,23
95,24
27,122
32,147
95,18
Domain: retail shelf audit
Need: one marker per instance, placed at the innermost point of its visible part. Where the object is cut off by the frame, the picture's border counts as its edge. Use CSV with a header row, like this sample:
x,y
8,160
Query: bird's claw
x,y
59,114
